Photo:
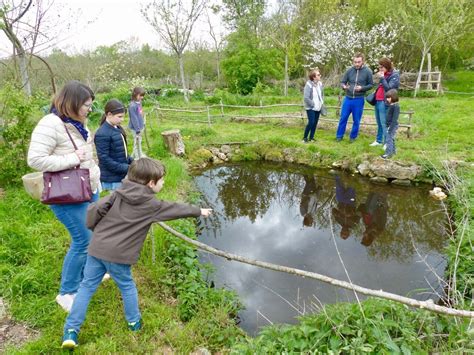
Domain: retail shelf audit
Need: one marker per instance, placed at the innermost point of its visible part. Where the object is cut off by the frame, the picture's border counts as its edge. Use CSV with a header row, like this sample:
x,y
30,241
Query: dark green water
x,y
387,237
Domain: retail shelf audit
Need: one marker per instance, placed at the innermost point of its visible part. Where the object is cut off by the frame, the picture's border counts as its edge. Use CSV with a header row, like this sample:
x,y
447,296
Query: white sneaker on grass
x,y
66,301
384,147
374,144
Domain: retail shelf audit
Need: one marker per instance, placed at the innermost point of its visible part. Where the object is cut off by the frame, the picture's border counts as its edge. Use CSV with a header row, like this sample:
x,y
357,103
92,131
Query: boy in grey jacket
x,y
120,223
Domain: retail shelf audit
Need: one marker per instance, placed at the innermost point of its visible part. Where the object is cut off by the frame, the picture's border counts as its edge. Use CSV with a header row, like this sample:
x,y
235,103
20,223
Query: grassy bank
x,y
181,313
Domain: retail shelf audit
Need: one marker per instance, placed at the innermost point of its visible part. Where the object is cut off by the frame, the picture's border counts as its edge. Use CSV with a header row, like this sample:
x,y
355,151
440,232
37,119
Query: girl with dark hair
x,y
389,79
111,144
52,149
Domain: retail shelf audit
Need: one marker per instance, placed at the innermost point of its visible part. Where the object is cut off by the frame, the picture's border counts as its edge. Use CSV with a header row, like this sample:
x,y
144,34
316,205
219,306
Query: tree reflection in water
x,y
383,218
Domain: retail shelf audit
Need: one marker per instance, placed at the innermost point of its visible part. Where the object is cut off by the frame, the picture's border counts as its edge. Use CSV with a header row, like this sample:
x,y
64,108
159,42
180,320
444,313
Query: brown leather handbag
x,y
67,186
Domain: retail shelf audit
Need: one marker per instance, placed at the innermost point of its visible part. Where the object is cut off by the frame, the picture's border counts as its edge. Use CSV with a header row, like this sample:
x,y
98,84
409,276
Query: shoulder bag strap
x,y
72,141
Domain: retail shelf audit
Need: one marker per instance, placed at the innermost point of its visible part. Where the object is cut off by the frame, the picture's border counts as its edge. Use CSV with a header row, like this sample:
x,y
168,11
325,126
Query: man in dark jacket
x,y
356,82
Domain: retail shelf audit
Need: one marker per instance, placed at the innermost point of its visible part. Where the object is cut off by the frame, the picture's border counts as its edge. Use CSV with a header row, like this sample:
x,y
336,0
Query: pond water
x,y
380,236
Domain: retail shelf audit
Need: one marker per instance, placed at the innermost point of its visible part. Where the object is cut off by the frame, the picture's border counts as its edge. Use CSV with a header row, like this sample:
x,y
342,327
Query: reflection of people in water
x,y
374,215
309,201
345,213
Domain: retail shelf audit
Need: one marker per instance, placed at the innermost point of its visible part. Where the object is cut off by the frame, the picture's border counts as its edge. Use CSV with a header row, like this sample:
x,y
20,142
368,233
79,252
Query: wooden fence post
x,y
410,113
338,109
222,109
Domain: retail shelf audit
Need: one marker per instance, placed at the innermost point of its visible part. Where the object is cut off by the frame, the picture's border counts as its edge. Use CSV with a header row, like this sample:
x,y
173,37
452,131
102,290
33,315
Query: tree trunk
x,y
218,67
25,78
418,79
174,142
285,90
183,79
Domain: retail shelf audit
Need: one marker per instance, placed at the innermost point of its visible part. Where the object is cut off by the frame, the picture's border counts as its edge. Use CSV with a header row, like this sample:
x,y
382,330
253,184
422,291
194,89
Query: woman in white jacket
x,y
51,149
313,98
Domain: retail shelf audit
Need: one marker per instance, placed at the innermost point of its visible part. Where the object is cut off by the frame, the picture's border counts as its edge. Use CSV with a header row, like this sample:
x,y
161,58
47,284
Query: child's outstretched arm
x,y
206,212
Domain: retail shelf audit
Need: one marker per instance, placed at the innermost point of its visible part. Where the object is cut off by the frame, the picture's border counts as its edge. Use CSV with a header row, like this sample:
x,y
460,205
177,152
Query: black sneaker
x,y
385,156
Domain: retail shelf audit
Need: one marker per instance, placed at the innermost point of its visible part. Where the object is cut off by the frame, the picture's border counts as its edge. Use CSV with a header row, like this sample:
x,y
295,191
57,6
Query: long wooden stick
x,y
429,305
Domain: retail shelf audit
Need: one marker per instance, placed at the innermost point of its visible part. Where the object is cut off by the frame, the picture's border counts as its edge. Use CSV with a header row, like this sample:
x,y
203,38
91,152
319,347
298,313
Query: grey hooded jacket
x,y
121,221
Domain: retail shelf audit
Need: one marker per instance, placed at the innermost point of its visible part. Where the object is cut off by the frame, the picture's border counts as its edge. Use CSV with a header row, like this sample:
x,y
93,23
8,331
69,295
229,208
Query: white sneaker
x,y
66,301
106,277
374,144
384,147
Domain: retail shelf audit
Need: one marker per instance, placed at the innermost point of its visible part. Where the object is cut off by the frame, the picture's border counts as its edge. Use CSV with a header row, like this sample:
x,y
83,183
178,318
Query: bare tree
x,y
431,23
10,16
32,26
282,31
218,40
174,21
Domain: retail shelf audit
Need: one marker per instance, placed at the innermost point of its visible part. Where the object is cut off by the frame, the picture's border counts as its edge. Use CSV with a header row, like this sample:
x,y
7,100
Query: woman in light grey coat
x,y
313,102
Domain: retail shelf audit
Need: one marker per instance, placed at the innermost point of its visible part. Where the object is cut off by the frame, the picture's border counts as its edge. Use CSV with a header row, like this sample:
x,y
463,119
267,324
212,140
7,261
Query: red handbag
x,y
67,186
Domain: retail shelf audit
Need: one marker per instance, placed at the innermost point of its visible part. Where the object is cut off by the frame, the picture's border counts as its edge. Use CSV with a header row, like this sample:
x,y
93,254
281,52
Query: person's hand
x,y
81,154
358,88
345,86
380,74
206,212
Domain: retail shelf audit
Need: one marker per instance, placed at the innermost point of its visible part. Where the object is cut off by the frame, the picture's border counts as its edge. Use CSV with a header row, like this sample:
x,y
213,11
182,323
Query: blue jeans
x,y
391,133
313,118
110,185
381,117
93,272
73,217
354,106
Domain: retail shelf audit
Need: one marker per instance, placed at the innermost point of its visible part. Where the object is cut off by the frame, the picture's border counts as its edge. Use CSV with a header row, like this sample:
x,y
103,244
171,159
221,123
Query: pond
x,y
377,236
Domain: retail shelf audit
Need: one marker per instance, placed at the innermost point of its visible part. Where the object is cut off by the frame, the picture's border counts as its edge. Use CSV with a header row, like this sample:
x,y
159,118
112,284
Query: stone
x,y
364,168
392,170
226,149
214,150
221,156
379,180
401,182
336,164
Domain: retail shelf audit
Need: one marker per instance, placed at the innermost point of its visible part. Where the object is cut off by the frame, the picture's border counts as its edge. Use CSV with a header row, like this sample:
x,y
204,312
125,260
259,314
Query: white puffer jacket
x,y
52,150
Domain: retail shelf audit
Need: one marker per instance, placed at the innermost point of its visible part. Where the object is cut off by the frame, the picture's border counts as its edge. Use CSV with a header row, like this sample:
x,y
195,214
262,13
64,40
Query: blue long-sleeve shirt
x,y
135,112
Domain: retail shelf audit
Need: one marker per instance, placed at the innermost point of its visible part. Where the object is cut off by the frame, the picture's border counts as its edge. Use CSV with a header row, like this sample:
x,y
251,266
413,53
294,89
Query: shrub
x,y
15,132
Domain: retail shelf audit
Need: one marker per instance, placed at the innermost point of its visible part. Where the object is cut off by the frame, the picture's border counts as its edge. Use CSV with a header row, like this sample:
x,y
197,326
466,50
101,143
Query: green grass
x,y
180,312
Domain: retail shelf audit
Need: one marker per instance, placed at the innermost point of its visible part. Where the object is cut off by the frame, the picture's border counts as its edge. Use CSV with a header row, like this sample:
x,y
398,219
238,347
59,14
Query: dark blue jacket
x,y
112,154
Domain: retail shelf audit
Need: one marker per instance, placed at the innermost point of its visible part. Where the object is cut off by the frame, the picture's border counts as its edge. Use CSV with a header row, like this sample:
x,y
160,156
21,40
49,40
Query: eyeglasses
x,y
89,106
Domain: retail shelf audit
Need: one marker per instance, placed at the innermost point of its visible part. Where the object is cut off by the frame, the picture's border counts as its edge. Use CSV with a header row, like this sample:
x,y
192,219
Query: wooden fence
x,y
211,113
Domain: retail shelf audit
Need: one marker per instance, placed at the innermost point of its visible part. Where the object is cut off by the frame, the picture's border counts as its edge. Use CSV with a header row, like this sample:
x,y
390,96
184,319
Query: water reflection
x,y
345,213
283,214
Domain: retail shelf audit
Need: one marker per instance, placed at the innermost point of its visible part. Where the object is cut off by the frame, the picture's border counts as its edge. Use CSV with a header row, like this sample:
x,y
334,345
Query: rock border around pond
x,y
377,169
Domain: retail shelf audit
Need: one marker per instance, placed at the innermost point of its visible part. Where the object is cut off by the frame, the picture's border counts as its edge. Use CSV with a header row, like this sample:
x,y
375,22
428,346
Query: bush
x,y
15,134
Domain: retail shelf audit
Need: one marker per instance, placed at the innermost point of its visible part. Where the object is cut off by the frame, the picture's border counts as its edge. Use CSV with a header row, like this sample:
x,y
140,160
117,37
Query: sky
x,y
105,22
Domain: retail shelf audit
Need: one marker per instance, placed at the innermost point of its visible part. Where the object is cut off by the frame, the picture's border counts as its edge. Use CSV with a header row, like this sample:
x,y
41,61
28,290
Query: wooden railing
x,y
210,113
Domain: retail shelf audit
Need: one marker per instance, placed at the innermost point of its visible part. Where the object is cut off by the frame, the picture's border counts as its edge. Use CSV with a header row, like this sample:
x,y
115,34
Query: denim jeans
x,y
356,107
391,133
93,272
313,118
73,217
381,117
110,185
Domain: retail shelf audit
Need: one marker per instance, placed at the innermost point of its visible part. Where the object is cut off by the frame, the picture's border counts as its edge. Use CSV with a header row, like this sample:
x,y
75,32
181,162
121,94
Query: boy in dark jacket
x,y
120,223
393,112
